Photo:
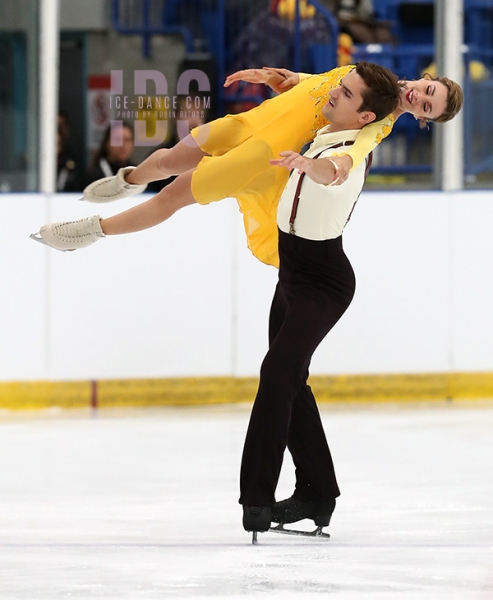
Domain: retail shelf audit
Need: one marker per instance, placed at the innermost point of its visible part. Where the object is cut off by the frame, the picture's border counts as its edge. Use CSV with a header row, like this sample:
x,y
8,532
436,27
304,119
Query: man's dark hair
x,y
383,89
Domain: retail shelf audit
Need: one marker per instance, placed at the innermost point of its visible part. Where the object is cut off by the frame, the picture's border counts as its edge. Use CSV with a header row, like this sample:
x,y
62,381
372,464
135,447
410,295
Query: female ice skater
x,y
230,157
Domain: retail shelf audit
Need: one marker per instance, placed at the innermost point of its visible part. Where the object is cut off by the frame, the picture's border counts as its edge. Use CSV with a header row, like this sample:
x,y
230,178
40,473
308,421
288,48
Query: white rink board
x,y
188,299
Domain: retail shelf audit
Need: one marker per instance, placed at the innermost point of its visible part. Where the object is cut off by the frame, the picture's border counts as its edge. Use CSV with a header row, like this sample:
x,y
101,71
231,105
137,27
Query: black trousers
x,y
316,285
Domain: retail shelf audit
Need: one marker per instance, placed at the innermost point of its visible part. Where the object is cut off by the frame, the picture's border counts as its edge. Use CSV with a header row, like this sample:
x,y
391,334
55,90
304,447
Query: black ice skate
x,y
255,519
293,510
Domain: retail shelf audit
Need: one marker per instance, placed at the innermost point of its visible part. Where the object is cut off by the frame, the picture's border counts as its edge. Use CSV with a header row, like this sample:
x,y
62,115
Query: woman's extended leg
x,y
221,176
216,177
71,235
161,164
160,207
165,162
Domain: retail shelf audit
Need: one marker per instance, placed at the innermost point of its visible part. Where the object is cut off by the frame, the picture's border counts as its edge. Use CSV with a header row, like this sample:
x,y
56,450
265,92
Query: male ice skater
x,y
315,287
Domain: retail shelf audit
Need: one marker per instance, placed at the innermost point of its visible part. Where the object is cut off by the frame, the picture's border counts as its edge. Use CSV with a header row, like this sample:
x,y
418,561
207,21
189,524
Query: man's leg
x,y
316,486
258,518
315,477
277,314
306,436
282,376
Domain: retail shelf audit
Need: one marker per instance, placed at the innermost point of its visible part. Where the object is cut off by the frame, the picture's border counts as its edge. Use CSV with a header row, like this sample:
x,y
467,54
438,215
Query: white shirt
x,y
323,210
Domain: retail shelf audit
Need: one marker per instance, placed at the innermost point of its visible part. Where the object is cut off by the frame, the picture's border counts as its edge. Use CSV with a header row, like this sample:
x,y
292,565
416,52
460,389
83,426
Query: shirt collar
x,y
325,138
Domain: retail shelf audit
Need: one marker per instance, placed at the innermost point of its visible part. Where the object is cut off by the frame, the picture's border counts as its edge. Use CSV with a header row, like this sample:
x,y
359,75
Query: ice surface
x,y
143,504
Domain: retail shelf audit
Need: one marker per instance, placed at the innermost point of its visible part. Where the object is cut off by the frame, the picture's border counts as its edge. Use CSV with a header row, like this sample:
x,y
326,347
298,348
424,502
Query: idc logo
x,y
152,112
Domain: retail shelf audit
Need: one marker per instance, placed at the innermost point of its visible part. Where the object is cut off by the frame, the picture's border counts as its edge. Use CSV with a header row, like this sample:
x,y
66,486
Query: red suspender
x,y
296,200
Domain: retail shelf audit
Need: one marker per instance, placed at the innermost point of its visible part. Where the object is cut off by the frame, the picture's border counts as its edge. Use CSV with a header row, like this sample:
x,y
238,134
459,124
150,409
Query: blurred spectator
x,y
268,38
63,124
69,173
70,144
357,19
108,159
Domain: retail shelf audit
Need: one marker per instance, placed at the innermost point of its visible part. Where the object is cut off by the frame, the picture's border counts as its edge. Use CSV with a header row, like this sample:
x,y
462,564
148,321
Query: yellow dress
x,y
241,146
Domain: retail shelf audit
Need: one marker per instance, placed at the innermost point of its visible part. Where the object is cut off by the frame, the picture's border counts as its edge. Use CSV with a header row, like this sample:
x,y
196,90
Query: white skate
x,y
112,188
70,235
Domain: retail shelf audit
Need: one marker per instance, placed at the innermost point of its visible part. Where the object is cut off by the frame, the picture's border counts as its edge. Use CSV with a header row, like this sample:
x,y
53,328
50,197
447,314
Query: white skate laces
x,y
112,188
70,235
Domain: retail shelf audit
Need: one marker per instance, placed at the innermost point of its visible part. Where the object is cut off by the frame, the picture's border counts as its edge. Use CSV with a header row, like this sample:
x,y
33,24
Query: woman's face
x,y
424,98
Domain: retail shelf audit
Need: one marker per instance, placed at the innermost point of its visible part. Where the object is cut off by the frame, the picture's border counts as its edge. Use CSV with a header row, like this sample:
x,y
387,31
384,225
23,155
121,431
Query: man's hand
x,y
279,80
291,160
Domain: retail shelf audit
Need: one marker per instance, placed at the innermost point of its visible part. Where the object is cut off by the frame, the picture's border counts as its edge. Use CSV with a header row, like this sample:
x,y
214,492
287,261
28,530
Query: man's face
x,y
344,101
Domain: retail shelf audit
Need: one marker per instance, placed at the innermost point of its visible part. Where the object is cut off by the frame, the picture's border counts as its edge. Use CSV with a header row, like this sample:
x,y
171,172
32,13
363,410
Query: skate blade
x,y
37,238
318,533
